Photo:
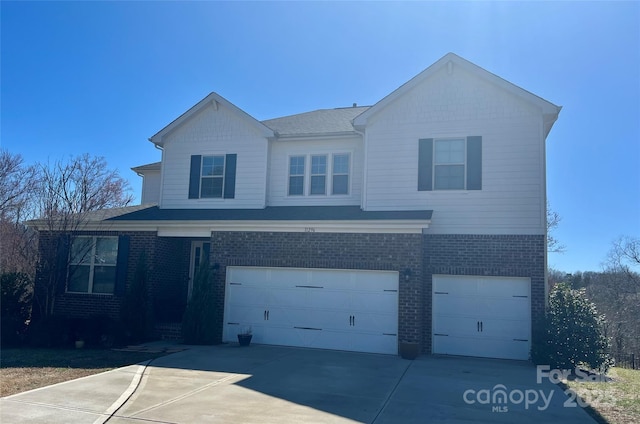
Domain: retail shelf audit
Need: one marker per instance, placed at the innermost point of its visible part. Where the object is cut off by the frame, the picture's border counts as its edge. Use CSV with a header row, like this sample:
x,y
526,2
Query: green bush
x,y
571,334
15,306
137,313
198,324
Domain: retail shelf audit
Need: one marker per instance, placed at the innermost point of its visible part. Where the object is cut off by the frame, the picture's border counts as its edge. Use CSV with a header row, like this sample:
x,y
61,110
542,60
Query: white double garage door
x,y
319,308
357,310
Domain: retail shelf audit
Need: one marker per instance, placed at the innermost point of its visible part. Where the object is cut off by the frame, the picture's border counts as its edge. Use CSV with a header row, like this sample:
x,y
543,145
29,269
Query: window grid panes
x,y
93,265
318,175
340,177
449,164
212,177
296,175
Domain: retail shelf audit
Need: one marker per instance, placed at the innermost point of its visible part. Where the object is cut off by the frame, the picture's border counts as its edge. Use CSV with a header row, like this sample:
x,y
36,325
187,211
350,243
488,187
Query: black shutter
x,y
194,177
425,164
230,176
122,263
474,163
62,262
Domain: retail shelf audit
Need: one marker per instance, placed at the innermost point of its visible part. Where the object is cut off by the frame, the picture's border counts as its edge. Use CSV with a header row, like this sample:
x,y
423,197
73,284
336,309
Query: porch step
x,y
168,331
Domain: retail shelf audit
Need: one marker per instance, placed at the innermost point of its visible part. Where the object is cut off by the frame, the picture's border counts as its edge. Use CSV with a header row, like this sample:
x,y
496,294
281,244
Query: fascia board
x,y
201,227
545,106
212,99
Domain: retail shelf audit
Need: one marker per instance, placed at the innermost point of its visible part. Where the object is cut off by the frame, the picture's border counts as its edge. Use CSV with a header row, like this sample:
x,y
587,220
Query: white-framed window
x,y
318,181
212,176
92,267
449,164
340,173
296,175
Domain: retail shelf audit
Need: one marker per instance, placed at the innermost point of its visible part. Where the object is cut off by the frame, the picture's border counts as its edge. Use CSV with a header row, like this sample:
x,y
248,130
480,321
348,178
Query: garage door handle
x,y
478,326
308,328
266,315
520,340
481,323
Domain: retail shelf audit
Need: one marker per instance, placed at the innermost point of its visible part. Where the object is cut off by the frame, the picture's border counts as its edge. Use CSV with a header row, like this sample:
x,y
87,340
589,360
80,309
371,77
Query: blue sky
x,y
102,77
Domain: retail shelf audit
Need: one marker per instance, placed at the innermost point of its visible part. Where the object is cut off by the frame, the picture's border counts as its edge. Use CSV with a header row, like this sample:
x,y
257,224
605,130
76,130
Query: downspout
x,y
363,193
161,173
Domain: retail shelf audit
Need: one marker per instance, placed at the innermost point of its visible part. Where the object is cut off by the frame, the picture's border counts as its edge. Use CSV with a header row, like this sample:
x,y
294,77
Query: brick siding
x,y
422,255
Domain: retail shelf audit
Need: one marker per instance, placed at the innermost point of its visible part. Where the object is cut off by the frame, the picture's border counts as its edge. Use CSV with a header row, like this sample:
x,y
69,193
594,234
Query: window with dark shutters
x,y
450,164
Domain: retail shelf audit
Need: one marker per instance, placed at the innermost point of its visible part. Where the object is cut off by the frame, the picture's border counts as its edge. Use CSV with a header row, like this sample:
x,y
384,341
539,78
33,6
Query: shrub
x,y
50,332
571,334
15,306
137,315
198,324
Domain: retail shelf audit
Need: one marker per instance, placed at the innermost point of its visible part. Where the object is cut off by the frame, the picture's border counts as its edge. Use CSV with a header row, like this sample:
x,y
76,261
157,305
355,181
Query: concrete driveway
x,y
266,384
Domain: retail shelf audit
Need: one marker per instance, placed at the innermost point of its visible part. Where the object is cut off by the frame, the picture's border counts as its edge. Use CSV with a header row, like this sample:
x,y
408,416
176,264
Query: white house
x,y
420,218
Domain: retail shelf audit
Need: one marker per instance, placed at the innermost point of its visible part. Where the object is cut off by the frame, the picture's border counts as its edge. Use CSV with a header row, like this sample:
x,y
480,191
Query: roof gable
x,y
215,100
450,61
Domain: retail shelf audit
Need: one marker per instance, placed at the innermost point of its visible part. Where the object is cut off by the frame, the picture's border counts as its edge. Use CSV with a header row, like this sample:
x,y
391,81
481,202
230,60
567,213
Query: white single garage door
x,y
319,308
482,316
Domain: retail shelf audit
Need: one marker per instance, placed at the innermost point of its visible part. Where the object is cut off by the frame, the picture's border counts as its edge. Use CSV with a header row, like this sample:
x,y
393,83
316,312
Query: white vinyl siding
x,y
346,148
453,107
214,132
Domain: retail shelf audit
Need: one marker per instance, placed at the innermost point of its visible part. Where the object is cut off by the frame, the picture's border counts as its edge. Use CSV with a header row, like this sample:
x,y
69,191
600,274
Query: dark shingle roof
x,y
272,213
323,121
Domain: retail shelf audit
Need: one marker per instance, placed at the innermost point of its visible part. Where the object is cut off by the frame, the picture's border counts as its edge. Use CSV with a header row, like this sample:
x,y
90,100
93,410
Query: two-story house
x,y
420,218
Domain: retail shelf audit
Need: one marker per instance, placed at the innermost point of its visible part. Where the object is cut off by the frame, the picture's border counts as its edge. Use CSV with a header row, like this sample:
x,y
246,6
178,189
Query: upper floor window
x,y
296,175
318,175
450,164
92,266
212,176
318,183
340,176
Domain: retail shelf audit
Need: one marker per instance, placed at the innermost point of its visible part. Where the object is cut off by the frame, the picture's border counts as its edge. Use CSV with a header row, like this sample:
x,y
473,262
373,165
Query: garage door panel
x,y
510,308
490,348
514,329
447,303
376,280
374,323
374,302
455,285
504,287
456,325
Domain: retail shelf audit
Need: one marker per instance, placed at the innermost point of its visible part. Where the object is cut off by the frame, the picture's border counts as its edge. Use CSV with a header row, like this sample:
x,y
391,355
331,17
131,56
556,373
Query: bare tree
x,y
17,242
67,194
624,257
553,220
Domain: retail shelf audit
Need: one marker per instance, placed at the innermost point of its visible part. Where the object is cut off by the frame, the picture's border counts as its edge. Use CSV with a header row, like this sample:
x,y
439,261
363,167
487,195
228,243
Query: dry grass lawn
x,y
24,369
616,401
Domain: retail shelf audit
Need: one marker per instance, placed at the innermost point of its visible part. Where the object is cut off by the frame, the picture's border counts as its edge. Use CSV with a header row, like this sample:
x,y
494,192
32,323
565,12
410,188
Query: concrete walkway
x,y
266,384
